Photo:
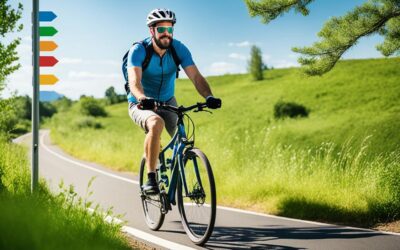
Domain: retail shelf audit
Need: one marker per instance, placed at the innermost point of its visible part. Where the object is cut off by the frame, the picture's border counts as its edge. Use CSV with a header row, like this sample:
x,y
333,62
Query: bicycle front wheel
x,y
152,204
197,201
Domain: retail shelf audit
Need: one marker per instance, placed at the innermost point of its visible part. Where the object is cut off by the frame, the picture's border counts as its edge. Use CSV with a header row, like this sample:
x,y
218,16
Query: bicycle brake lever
x,y
202,110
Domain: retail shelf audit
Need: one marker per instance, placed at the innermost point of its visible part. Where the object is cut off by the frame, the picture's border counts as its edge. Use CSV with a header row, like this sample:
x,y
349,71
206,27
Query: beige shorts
x,y
140,116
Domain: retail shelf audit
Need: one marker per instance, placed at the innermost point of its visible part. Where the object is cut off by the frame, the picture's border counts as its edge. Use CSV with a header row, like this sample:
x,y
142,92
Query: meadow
x,y
45,220
340,164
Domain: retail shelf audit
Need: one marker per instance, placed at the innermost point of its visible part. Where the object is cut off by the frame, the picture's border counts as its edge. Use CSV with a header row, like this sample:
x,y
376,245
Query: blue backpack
x,y
149,53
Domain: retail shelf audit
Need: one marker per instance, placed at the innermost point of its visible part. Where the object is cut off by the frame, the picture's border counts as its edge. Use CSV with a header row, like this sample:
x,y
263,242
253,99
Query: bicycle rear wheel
x,y
197,207
152,204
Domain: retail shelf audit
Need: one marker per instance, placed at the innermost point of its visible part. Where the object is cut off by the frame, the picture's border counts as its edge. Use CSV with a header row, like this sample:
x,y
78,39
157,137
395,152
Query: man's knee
x,y
155,124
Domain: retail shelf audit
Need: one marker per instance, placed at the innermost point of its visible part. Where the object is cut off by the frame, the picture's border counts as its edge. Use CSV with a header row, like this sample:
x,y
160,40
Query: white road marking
x,y
219,207
83,165
145,236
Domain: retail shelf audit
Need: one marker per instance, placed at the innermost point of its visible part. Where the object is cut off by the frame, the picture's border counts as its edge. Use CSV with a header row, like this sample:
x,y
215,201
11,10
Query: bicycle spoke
x,y
198,205
152,205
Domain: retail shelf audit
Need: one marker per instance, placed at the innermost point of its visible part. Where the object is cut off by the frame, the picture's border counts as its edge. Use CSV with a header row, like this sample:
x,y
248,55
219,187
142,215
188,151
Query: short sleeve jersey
x,y
158,80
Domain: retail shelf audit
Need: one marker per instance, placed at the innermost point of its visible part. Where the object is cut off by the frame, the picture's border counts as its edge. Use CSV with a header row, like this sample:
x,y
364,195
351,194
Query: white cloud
x,y
105,62
238,56
86,75
20,80
23,48
74,88
284,63
240,44
266,57
68,60
27,38
220,68
293,56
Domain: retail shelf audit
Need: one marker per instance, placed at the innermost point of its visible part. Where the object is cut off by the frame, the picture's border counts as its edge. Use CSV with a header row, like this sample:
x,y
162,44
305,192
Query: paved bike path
x,y
233,229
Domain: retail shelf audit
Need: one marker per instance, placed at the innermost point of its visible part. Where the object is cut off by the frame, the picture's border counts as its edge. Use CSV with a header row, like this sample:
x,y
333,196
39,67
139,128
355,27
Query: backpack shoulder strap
x,y
176,59
149,53
175,55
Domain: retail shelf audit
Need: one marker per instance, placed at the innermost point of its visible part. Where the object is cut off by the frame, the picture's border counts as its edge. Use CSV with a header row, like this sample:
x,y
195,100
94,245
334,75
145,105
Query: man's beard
x,y
160,44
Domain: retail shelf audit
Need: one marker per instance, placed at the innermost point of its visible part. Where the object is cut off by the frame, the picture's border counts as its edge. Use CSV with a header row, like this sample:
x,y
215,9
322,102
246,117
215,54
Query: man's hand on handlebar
x,y
213,103
147,103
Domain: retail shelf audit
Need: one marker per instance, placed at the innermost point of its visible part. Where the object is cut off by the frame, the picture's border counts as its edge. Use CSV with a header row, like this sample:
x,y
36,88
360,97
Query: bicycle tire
x,y
152,213
198,231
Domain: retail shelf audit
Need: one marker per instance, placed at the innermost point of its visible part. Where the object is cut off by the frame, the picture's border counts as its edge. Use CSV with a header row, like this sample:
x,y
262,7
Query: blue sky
x,y
94,34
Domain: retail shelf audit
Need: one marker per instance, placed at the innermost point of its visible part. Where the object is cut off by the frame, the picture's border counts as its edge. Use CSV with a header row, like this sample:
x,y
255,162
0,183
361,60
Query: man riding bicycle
x,y
156,83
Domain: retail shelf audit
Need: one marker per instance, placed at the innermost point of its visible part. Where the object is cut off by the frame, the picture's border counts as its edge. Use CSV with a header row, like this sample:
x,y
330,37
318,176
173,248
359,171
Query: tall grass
x,y
45,220
323,184
340,164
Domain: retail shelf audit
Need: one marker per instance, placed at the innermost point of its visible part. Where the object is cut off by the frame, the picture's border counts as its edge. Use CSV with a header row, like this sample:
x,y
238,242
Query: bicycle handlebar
x,y
181,109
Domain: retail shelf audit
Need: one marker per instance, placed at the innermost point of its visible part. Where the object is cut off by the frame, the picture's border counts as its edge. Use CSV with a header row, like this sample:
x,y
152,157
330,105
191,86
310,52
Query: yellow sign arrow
x,y
48,79
48,46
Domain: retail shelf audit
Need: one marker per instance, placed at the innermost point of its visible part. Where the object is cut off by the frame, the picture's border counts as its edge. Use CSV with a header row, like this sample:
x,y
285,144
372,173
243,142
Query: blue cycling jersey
x,y
158,80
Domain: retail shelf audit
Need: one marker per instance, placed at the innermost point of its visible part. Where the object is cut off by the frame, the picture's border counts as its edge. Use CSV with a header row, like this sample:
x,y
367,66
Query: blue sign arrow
x,y
46,16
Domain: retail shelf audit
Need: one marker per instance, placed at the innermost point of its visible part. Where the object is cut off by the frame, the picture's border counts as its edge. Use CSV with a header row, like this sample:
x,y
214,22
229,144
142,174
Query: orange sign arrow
x,y
48,46
48,79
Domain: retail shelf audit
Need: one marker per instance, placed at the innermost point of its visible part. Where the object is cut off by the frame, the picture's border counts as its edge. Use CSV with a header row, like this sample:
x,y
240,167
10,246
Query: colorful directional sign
x,y
48,79
48,46
46,16
47,31
47,61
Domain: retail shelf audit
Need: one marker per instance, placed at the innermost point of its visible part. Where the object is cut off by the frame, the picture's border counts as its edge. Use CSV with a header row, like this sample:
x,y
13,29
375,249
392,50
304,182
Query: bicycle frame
x,y
177,145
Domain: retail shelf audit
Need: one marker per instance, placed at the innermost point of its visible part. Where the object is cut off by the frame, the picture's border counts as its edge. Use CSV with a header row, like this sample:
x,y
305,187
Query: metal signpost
x,y
37,80
35,98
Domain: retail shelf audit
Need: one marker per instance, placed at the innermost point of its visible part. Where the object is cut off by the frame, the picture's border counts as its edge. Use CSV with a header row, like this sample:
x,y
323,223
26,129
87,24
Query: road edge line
x,y
143,235
84,165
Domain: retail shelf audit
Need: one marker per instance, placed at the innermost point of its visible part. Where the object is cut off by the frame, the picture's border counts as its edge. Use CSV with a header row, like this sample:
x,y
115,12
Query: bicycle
x,y
187,174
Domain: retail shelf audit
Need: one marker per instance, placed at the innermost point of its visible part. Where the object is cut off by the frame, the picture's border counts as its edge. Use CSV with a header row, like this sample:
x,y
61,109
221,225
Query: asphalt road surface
x,y
234,229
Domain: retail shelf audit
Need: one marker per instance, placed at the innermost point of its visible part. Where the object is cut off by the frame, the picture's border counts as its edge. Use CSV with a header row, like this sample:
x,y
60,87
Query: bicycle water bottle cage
x,y
187,142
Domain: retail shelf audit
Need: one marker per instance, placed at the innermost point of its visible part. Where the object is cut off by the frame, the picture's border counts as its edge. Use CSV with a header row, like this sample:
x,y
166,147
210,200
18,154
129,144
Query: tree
x,y
256,64
8,53
111,96
338,33
92,107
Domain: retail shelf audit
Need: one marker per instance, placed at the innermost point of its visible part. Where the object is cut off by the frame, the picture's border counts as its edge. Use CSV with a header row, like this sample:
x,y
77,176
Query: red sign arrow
x,y
47,61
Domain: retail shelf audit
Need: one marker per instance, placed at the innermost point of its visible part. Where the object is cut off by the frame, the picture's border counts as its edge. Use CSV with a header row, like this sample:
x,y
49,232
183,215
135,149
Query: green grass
x,y
45,220
340,164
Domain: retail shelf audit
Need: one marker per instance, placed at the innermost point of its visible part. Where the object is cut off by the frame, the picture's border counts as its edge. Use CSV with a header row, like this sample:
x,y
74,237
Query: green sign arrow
x,y
47,31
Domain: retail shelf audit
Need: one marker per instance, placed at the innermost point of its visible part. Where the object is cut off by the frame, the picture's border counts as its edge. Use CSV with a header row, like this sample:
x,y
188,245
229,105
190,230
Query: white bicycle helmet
x,y
159,15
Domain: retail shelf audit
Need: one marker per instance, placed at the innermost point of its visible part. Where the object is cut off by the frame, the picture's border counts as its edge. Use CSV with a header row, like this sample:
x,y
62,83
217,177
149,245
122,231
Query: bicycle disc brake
x,y
198,195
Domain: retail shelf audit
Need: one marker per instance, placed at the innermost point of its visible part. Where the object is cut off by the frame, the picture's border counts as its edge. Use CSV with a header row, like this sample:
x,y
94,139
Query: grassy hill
x,y
340,164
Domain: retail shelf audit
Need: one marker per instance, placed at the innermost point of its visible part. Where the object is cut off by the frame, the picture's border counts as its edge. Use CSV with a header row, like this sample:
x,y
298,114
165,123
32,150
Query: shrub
x,y
88,122
91,106
289,109
8,117
63,104
46,109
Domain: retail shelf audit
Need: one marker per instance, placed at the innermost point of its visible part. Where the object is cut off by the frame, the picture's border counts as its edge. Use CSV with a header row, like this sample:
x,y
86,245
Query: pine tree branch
x,y
340,34
391,32
271,9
